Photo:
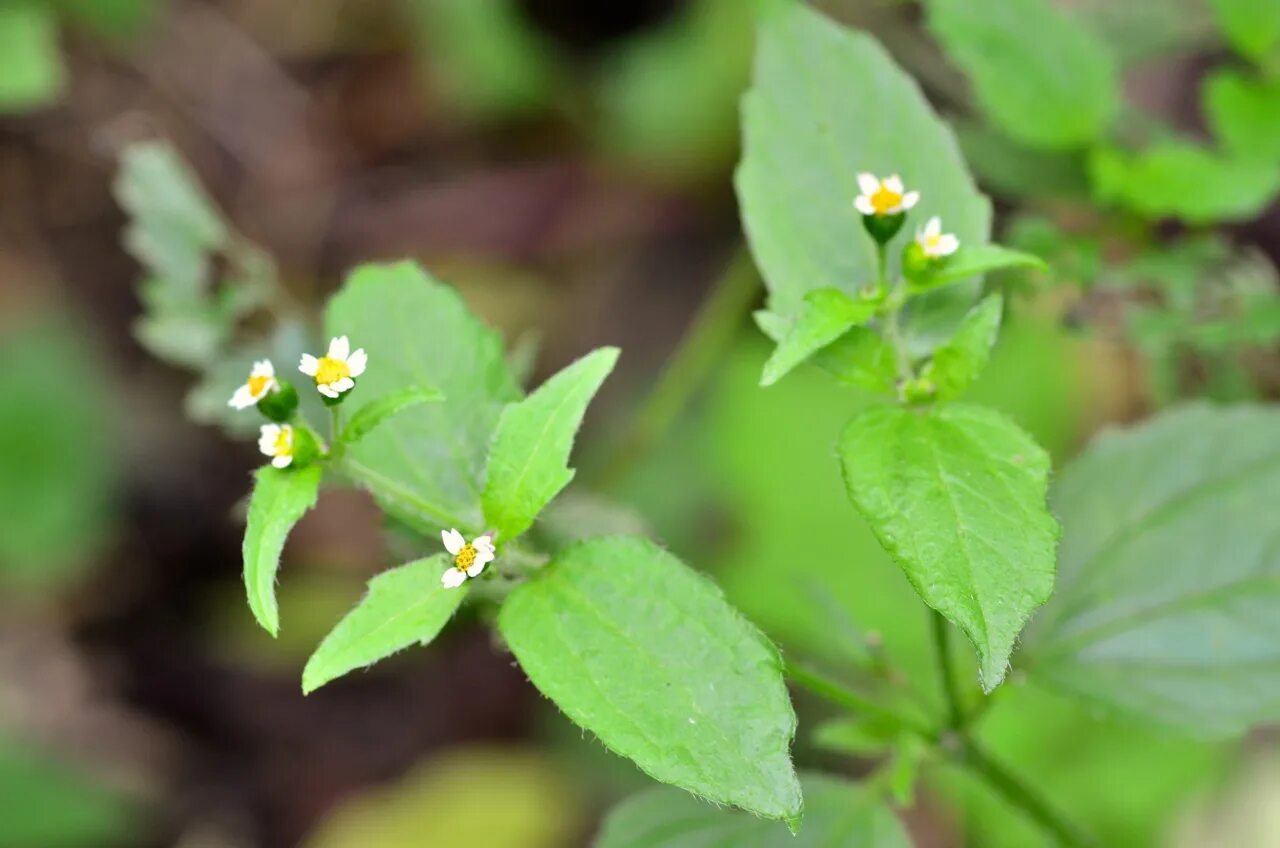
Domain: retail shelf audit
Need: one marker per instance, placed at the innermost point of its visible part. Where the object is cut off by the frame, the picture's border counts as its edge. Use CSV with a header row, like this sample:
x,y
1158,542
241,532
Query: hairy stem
x,y
946,670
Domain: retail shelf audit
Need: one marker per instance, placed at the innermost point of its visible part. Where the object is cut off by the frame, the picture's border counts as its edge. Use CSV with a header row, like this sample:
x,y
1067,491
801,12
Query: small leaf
x,y
528,463
647,655
836,813
280,497
403,606
958,363
1251,26
860,357
956,495
373,413
971,261
826,315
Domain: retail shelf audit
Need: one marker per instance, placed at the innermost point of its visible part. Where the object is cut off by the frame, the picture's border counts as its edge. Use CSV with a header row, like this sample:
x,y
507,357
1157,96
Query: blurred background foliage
x,y
567,165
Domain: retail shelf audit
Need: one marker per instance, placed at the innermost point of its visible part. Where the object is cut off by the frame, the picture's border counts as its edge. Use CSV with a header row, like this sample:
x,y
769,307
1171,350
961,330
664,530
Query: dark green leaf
x,y
280,497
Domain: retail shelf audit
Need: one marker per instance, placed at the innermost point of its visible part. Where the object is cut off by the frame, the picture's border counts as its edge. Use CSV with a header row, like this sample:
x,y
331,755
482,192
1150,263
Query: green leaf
x,y
425,465
528,463
111,19
805,140
826,315
280,497
860,357
1251,26
956,495
375,412
971,261
1181,180
837,813
1007,168
647,655
403,606
1244,114
1040,75
958,363
1168,607
31,71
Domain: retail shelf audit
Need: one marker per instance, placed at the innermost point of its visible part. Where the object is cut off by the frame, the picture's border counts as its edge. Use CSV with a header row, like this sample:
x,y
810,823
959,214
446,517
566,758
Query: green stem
x,y
946,670
892,327
842,696
335,430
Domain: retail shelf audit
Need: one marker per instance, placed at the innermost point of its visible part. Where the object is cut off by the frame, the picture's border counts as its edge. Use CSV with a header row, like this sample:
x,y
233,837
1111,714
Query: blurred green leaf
x,y
375,412
857,736
837,813
646,654
281,496
47,804
1168,599
1041,76
1244,113
118,19
1011,169
827,314
1140,32
978,259
1250,26
957,364
31,71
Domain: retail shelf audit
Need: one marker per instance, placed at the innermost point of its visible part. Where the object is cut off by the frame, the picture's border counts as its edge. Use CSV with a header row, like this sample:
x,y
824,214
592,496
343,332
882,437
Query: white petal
x,y
485,555
947,245
243,398
262,368
868,183
476,568
863,205
339,348
909,199
310,365
282,461
326,390
357,362
485,541
934,227
894,184
453,541
452,578
344,384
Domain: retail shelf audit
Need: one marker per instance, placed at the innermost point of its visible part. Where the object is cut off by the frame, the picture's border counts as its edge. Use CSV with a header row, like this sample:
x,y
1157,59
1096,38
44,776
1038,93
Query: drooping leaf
x,y
1044,78
375,412
528,463
805,140
958,363
827,315
1251,26
403,606
31,71
1169,600
979,259
956,495
424,465
280,497
837,813
1244,114
647,655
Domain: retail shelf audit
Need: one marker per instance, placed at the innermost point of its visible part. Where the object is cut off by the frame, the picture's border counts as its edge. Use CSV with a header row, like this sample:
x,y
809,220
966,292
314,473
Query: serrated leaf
x,y
1251,26
836,813
1168,606
375,412
826,315
280,497
646,654
805,141
958,363
956,495
403,606
424,465
1041,76
1244,113
528,463
971,261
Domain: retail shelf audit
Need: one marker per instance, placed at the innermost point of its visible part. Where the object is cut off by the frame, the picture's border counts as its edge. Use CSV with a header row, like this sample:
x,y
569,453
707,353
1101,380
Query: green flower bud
x,y
883,228
280,402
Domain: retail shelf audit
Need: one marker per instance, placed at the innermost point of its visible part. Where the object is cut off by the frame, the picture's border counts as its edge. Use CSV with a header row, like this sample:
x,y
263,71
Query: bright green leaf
x,y
528,463
806,136
956,495
861,357
424,465
647,655
958,363
403,606
836,813
1041,76
827,315
979,259
280,497
1244,114
31,72
1168,606
375,412
1251,26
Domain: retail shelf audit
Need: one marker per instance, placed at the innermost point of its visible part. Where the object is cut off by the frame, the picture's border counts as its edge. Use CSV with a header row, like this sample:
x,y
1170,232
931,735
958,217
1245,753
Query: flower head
x,y
277,442
262,379
883,197
469,558
934,242
335,372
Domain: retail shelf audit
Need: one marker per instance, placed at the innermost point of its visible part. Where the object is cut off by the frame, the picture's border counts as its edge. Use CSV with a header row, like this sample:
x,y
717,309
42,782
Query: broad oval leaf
x,y
837,814
646,654
1168,605
403,606
528,463
1042,77
424,466
280,497
827,315
956,495
979,259
826,103
960,361
375,412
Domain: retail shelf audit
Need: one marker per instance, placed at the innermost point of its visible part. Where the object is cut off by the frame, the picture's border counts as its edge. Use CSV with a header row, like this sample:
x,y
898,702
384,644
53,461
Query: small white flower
x,y
335,372
934,242
468,559
262,379
276,441
883,197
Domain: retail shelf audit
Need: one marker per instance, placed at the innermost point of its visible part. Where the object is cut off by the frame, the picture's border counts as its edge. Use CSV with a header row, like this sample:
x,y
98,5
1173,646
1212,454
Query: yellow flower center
x,y
284,443
885,199
932,241
258,384
331,370
465,558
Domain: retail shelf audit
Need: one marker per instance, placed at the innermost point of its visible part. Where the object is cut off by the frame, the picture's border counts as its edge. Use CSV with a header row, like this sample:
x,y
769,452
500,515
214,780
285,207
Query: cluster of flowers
x,y
884,204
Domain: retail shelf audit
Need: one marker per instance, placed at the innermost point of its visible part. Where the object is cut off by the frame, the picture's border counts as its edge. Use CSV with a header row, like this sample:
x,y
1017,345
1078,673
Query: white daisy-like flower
x,y
335,372
276,441
934,242
262,379
883,197
469,559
